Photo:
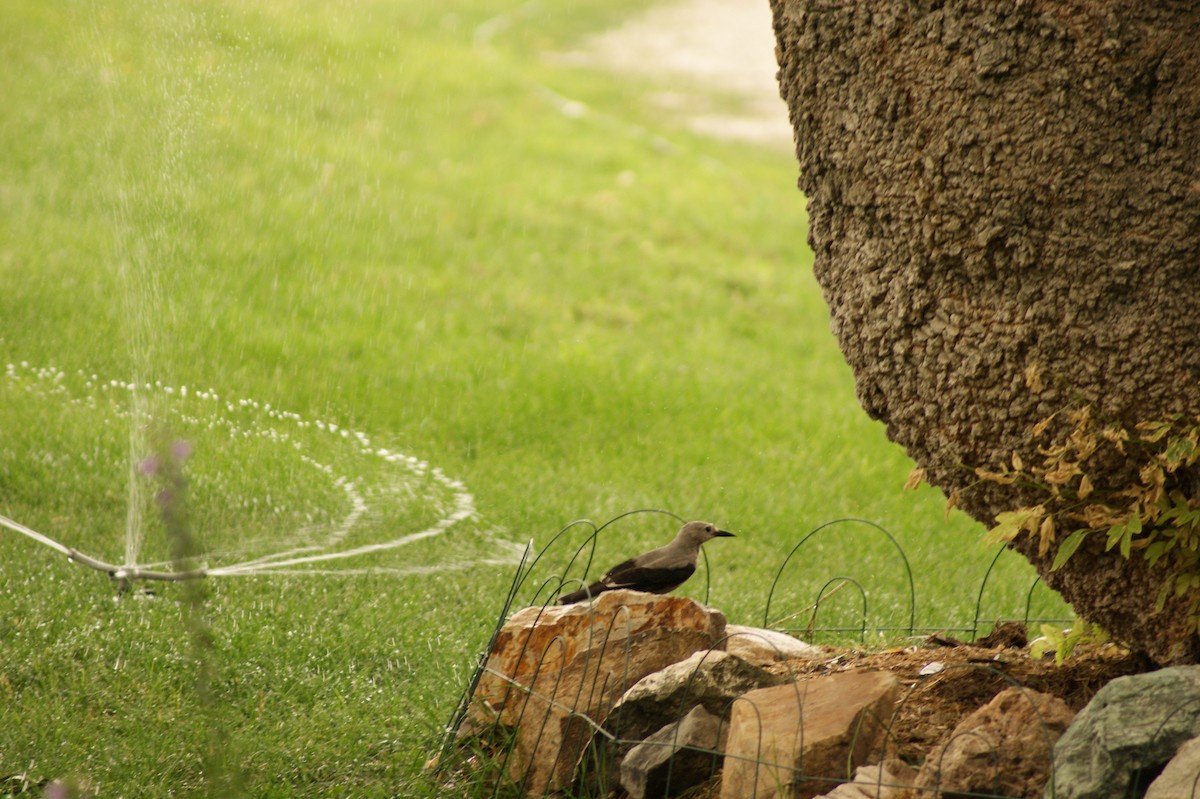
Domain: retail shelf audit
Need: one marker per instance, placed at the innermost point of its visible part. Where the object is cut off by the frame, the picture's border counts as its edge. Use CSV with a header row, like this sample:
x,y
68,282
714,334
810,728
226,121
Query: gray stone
x,y
711,678
1181,778
1133,723
676,758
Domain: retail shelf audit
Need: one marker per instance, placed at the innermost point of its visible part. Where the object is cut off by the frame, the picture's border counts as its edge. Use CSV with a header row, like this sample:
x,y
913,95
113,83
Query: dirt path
x,y
714,61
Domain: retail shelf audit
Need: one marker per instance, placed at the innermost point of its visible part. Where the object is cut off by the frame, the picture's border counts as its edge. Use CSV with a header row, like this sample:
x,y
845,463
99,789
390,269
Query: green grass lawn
x,y
358,214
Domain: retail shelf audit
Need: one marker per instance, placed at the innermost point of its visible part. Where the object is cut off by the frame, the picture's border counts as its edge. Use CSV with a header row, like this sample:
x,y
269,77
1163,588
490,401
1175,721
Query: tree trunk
x,y
1004,203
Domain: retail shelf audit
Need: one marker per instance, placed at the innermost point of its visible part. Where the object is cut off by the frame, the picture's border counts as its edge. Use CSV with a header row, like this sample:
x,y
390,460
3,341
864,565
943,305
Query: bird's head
x,y
699,532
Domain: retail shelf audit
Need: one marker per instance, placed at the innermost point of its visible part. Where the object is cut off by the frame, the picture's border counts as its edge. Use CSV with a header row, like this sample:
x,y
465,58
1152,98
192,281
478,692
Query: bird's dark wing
x,y
653,579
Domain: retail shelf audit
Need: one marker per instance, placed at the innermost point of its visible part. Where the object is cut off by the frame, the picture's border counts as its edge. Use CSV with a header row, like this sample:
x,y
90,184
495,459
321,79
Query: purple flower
x,y
181,449
58,790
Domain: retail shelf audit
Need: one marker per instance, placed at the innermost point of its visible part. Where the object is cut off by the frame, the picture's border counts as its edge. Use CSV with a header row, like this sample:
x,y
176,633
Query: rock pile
x,y
554,674
643,690
641,695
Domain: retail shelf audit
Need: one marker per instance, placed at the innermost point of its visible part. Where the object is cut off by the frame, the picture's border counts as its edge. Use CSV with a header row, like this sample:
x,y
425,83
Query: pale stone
x,y
712,678
761,646
1003,748
887,780
554,673
1181,778
799,739
678,757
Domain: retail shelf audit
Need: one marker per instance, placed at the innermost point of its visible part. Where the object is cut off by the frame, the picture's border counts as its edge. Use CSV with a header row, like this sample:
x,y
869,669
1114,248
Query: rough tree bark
x,y
1004,204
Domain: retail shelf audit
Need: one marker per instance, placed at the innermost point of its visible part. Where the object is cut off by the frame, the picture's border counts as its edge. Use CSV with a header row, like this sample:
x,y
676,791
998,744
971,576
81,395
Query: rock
x,y
1003,748
678,757
761,646
882,781
555,672
1133,723
712,679
805,734
1181,778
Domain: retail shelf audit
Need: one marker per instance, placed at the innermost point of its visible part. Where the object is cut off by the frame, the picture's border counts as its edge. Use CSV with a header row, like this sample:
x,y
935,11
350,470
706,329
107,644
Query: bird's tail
x,y
591,592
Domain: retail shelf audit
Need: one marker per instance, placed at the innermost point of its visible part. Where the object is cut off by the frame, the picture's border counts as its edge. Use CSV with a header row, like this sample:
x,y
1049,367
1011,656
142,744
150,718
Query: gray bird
x,y
657,571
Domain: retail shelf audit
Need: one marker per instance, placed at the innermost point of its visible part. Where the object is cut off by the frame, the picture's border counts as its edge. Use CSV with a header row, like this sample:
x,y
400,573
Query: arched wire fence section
x,y
1027,618
844,581
569,703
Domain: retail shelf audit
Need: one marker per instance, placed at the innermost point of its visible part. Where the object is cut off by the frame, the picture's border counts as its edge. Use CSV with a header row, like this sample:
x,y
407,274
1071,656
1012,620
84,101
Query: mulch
x,y
944,680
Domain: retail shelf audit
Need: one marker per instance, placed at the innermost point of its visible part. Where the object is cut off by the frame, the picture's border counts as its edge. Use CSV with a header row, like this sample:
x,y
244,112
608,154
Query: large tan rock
x,y
554,673
1004,748
797,740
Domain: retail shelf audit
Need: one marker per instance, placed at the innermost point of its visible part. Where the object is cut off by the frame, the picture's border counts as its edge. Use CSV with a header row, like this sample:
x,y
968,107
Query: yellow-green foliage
x,y
1155,511
1063,642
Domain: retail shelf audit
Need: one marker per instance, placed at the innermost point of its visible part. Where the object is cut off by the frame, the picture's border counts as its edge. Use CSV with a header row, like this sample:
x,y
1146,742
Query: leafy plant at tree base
x,y
1063,642
1152,507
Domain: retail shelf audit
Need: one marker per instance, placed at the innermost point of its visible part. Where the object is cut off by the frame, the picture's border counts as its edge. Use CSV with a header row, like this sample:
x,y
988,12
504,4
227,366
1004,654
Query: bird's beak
x,y
723,534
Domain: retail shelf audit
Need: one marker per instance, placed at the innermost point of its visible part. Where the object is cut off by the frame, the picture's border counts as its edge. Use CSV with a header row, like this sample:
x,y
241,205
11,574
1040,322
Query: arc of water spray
x,y
465,511
463,508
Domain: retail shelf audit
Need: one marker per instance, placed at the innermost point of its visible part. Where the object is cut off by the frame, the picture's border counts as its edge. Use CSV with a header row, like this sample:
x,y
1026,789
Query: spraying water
x,y
272,492
269,492
144,214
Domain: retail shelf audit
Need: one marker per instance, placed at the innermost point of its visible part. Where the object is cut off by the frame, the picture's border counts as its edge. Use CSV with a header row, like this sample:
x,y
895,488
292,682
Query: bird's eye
x,y
708,529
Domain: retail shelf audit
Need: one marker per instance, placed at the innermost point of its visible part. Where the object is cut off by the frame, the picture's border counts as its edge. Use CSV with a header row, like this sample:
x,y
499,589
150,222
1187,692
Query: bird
x,y
657,571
